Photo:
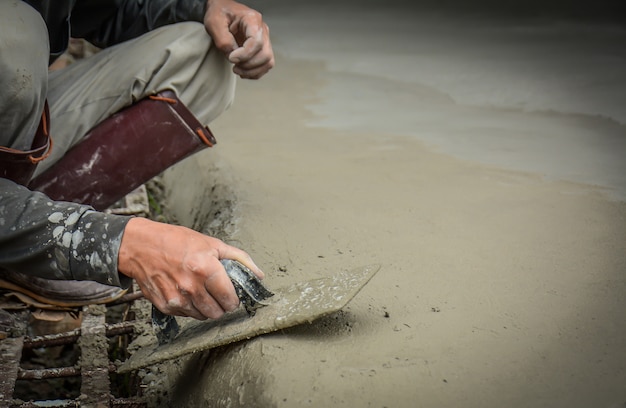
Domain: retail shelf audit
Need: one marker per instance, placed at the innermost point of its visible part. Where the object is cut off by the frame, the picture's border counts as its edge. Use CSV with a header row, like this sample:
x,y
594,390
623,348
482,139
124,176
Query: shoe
x,y
63,293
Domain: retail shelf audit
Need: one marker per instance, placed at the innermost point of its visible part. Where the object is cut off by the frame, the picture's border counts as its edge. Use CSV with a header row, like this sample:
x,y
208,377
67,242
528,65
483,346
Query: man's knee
x,y
195,69
24,57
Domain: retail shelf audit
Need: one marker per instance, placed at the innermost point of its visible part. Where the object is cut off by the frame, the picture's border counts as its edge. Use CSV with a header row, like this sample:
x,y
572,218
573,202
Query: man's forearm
x,y
57,240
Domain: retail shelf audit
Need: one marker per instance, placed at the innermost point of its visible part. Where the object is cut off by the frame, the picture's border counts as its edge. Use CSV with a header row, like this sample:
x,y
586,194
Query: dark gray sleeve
x,y
58,240
109,22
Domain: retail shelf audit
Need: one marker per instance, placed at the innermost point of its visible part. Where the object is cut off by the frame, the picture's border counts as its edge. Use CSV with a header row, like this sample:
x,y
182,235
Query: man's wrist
x,y
134,232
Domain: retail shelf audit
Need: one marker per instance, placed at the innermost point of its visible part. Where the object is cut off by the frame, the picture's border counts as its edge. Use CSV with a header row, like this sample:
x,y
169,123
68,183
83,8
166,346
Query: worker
x,y
55,249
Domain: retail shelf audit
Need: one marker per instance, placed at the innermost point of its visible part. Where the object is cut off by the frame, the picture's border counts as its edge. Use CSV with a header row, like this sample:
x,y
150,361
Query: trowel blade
x,y
292,305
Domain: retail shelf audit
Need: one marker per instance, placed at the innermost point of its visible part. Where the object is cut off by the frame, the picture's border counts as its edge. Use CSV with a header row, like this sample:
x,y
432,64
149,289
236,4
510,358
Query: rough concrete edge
x,y
202,178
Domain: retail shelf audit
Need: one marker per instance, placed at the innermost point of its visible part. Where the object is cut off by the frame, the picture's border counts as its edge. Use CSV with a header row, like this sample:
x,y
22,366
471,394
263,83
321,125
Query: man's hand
x,y
179,269
240,33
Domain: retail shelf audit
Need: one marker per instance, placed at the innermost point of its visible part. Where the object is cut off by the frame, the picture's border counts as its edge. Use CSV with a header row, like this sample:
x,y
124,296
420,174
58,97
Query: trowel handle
x,y
165,326
249,288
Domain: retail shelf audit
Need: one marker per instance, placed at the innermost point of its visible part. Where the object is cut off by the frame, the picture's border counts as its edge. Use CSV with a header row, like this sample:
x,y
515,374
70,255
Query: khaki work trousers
x,y
180,57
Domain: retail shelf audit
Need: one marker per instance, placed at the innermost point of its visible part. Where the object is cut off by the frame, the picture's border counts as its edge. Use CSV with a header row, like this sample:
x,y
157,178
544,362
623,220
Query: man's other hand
x,y
179,269
241,34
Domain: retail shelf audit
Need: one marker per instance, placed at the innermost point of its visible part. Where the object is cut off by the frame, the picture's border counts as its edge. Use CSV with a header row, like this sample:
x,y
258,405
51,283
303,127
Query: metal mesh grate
x,y
94,366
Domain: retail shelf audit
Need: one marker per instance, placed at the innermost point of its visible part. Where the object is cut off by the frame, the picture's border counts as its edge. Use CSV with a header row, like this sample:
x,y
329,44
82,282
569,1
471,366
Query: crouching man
x,y
62,251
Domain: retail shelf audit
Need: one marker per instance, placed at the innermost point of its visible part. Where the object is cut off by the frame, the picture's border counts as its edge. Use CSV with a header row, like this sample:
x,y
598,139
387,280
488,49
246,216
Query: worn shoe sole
x,y
71,297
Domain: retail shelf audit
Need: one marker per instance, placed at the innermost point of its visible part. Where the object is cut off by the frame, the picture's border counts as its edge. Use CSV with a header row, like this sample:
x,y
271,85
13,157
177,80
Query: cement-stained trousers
x,y
180,57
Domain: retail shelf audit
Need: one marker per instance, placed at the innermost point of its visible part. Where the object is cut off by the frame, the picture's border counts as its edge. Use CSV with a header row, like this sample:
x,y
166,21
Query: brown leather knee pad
x,y
125,151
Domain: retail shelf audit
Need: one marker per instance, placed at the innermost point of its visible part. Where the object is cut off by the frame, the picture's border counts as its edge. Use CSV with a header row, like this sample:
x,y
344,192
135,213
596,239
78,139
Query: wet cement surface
x,y
502,88
477,158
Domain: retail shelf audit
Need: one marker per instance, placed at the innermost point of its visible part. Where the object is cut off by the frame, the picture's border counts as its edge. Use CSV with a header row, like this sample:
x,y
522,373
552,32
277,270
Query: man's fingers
x,y
241,256
183,298
219,286
217,26
224,41
252,73
226,44
208,306
241,34
172,302
180,306
259,60
250,48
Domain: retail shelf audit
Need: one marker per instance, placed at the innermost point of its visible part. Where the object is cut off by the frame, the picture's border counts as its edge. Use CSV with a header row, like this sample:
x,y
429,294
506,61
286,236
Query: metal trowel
x,y
261,312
